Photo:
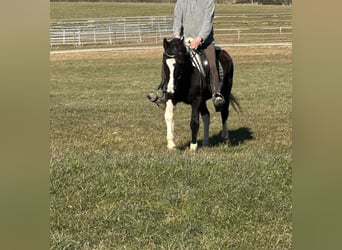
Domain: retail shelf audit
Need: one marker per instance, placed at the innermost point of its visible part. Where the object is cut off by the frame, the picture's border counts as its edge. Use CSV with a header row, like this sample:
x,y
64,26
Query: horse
x,y
184,82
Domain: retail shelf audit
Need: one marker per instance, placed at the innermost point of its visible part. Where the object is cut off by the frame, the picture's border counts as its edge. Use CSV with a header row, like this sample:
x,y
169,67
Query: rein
x,y
197,63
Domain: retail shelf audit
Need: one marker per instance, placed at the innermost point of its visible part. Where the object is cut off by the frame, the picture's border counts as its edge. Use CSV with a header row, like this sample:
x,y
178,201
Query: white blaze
x,y
171,64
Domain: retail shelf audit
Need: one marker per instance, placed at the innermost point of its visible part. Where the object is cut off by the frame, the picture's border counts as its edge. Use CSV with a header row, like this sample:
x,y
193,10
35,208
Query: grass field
x,y
114,185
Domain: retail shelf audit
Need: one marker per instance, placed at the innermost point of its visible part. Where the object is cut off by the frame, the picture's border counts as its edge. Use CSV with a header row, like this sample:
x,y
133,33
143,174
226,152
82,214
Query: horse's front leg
x,y
169,119
206,122
194,124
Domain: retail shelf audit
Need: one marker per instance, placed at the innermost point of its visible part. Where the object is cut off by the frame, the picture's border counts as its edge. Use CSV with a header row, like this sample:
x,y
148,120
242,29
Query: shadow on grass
x,y
236,138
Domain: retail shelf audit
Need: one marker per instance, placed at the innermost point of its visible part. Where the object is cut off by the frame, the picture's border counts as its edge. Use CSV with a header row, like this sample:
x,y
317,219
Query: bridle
x,y
168,55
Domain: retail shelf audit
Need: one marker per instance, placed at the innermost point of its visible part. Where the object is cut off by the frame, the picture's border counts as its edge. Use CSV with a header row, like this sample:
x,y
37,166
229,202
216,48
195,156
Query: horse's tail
x,y
227,67
235,103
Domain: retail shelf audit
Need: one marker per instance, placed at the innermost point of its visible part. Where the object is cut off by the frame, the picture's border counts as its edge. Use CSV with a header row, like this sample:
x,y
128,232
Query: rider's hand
x,y
196,43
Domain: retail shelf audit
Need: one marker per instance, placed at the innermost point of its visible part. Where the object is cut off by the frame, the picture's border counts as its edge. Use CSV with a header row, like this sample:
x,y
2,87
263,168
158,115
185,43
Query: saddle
x,y
200,62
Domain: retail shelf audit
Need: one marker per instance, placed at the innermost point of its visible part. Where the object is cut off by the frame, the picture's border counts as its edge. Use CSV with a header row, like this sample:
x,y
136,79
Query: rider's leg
x,y
218,99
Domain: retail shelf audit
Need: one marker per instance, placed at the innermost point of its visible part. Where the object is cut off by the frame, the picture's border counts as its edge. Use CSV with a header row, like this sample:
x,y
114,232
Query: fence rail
x,y
152,29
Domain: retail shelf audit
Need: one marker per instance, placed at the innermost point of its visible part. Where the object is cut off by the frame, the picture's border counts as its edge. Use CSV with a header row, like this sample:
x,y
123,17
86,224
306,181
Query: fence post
x,y
124,22
110,34
115,36
159,31
79,37
139,35
139,30
110,31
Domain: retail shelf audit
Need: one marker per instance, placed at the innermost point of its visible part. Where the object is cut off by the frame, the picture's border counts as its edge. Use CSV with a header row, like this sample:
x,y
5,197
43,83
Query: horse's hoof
x,y
225,138
171,146
193,146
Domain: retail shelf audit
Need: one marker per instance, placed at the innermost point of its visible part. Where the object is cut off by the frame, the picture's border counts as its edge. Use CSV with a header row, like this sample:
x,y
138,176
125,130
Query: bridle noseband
x,y
168,55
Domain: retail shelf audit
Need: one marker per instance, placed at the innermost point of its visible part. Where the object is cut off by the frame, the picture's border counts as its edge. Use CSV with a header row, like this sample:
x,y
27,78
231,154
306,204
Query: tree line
x,y
277,2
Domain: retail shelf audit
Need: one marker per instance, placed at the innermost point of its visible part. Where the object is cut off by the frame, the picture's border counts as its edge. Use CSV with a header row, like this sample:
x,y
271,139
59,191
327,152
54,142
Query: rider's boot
x,y
218,101
157,96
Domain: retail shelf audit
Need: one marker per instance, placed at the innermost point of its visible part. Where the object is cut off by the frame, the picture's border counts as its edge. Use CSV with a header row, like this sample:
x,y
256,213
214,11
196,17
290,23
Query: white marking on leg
x,y
206,122
169,110
225,134
193,146
169,119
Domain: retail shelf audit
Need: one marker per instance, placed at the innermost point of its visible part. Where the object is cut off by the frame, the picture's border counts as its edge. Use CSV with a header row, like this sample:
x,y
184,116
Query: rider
x,y
194,19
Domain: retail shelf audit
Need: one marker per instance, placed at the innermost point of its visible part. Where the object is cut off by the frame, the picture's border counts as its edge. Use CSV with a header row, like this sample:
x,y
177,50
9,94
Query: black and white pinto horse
x,y
186,83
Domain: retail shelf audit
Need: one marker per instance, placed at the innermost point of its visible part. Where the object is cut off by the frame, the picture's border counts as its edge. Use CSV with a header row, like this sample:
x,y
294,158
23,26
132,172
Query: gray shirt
x,y
196,17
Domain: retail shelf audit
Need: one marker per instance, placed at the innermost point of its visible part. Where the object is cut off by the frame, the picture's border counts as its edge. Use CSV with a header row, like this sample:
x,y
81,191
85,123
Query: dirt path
x,y
246,53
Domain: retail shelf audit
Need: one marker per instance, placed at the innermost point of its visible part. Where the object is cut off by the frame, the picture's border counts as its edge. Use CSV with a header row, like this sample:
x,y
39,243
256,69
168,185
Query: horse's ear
x,y
165,43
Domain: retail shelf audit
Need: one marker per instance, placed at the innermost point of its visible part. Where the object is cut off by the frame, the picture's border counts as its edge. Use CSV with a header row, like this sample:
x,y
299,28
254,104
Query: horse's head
x,y
175,49
174,58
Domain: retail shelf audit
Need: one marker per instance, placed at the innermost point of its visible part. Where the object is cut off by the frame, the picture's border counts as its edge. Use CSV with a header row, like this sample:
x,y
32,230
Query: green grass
x,y
114,185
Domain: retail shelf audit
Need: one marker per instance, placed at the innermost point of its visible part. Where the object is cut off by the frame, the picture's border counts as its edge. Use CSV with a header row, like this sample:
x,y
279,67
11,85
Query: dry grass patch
x,y
245,54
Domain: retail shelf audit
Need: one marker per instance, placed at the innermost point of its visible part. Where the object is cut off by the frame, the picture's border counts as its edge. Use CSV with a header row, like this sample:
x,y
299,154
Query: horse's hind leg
x,y
224,118
225,110
206,122
228,72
